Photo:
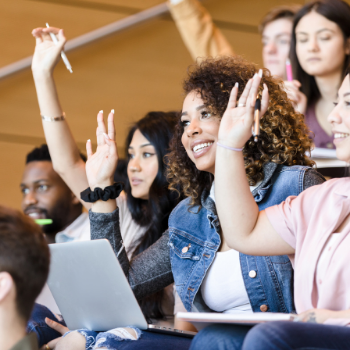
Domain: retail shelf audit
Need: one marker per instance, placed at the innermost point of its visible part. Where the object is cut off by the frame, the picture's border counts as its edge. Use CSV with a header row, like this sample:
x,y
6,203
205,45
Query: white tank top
x,y
223,288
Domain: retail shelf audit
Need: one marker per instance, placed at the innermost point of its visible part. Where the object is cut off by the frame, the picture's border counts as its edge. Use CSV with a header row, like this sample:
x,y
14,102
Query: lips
x,y
36,213
135,181
200,147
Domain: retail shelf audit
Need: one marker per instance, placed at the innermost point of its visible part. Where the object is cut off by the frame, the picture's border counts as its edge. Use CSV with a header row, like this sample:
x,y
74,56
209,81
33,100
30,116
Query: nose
x,y
194,128
29,199
271,48
313,46
335,117
134,164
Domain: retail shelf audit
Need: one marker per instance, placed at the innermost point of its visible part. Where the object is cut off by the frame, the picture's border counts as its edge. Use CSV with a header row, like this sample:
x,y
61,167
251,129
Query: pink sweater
x,y
306,223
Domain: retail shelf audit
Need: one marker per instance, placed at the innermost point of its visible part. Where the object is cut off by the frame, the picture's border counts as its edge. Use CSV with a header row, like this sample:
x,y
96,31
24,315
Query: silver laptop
x,y
91,290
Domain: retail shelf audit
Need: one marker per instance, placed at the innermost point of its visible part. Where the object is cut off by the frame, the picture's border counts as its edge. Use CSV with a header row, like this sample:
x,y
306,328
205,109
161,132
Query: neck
x,y
328,86
12,330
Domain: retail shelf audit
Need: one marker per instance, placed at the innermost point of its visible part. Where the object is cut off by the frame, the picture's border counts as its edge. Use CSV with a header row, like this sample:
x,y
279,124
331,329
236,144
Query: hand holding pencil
x,y
47,53
238,119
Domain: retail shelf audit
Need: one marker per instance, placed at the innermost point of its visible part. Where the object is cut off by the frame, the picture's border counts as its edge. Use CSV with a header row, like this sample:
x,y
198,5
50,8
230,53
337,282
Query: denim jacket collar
x,y
269,170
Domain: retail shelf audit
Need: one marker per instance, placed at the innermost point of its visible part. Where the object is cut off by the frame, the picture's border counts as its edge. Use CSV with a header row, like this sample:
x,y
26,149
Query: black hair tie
x,y
110,192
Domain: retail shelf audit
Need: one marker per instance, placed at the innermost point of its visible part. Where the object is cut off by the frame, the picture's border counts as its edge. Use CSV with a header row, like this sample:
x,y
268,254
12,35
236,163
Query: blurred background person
x,y
46,196
320,49
24,267
203,39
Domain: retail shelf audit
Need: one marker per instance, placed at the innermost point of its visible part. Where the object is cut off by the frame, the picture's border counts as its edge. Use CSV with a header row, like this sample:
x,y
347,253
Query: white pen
x,y
63,55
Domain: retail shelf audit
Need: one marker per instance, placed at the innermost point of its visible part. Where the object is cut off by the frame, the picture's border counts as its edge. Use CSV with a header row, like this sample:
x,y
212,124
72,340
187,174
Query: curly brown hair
x,y
284,137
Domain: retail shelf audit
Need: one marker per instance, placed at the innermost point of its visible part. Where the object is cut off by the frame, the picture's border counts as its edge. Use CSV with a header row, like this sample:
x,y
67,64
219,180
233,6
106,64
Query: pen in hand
x,y
257,110
63,55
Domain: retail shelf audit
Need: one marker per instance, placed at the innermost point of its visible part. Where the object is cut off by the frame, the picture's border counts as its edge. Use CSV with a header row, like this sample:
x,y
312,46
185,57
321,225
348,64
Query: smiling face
x,y
143,165
317,41
340,120
276,43
200,132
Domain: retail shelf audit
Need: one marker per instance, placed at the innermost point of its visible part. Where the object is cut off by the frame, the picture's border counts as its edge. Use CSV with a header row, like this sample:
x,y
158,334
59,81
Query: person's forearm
x,y
235,204
148,272
63,149
198,31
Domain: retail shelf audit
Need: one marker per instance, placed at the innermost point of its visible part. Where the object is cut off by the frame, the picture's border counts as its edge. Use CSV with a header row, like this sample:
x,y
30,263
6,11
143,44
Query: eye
x,y
325,38
25,190
147,154
131,156
205,114
335,104
185,123
43,188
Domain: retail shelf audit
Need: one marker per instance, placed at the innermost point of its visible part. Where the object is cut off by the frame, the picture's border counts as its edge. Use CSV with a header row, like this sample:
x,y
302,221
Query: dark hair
x,y
25,255
284,134
121,173
337,11
158,129
278,12
42,153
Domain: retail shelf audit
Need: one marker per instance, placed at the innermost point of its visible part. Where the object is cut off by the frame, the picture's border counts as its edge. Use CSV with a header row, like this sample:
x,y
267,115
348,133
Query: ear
x,y
347,46
6,284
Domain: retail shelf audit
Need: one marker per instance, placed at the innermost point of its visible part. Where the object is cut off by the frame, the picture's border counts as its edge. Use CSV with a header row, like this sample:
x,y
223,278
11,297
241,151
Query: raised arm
x,y
63,149
149,271
200,35
244,228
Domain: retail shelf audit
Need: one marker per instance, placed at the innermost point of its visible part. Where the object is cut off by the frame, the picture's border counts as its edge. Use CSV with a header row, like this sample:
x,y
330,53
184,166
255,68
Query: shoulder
x,y
182,209
312,177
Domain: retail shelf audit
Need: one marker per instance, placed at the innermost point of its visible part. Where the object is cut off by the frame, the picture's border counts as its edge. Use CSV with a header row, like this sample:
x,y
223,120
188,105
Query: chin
x,y
343,155
139,193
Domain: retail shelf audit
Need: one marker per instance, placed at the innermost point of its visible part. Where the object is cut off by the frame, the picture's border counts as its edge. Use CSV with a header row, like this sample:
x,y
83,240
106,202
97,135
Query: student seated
x,y
203,39
313,228
192,251
46,196
147,202
320,55
24,267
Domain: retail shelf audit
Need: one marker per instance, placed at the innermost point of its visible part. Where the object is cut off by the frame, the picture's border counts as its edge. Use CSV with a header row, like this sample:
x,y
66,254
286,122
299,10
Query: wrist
x,y
41,74
230,144
102,184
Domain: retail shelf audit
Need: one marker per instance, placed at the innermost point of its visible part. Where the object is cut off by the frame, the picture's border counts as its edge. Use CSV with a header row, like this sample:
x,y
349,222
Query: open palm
x,y
101,165
236,123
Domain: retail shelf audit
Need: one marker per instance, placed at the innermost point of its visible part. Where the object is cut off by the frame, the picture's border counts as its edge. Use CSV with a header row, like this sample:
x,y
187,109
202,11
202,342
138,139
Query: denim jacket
x,y
195,239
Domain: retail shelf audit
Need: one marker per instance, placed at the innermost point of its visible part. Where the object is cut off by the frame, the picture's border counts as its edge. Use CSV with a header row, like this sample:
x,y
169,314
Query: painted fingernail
x,y
101,111
260,73
255,75
112,111
237,85
88,140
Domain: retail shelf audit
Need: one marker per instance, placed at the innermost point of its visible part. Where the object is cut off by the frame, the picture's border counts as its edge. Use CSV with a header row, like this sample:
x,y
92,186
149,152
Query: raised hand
x,y
298,99
101,165
236,123
47,53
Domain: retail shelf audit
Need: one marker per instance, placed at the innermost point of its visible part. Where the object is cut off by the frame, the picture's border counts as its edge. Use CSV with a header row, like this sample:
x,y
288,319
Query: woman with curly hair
x,y
209,276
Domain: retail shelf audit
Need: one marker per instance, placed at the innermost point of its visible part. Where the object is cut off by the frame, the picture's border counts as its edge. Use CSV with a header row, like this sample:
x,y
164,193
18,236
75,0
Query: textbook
x,y
203,319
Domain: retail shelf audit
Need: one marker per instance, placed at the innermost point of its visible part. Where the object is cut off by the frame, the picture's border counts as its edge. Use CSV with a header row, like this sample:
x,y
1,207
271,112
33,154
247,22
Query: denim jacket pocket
x,y
185,253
